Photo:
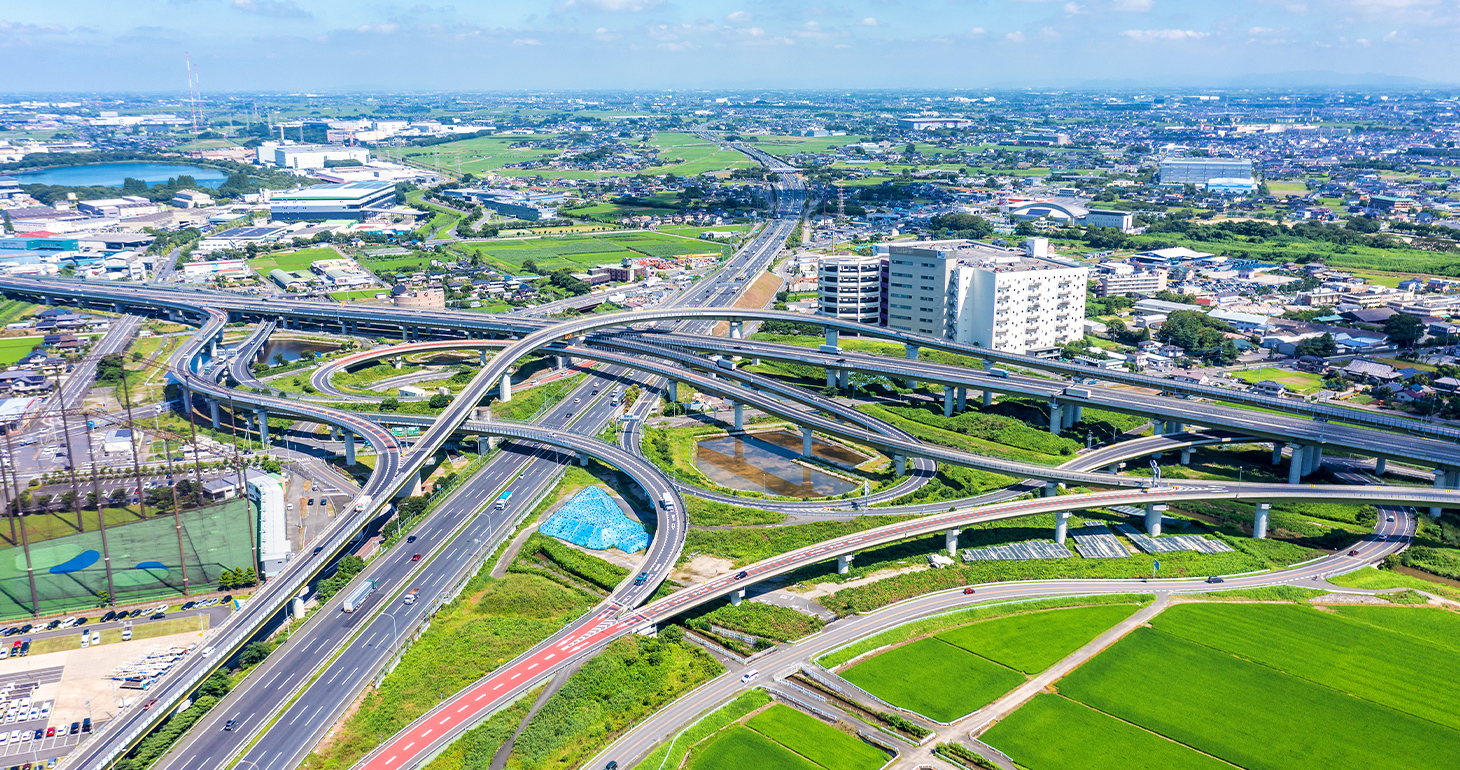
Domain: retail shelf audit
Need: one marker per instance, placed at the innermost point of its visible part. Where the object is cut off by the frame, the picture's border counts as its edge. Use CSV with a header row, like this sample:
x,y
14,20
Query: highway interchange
x,y
285,706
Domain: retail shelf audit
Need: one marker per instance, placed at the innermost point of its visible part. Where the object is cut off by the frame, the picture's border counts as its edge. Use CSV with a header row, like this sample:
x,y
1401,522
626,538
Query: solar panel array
x,y
1095,541
1172,543
1029,549
593,520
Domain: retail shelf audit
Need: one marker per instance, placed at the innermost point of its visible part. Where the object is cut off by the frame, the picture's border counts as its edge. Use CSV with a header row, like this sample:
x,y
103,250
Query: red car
x,y
148,704
50,732
417,557
1353,553
968,591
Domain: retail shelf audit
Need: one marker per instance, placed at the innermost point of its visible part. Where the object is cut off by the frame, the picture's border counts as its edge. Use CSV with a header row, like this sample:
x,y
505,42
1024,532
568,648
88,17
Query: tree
x,y
963,225
1403,329
1026,228
110,369
390,405
439,401
255,653
1322,347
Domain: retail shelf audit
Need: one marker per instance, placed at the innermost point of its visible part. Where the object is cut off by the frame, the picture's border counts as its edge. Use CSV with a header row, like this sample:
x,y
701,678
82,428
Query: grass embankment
x,y
782,737
1373,578
528,403
708,513
1387,674
956,672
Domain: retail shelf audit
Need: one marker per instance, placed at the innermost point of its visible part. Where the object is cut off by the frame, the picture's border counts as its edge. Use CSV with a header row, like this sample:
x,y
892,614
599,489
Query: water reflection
x,y
755,464
291,350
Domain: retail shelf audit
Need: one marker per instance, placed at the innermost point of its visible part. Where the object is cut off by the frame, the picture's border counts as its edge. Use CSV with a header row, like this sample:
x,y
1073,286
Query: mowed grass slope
x,y
738,747
1409,674
1032,642
1249,714
1054,733
934,678
816,740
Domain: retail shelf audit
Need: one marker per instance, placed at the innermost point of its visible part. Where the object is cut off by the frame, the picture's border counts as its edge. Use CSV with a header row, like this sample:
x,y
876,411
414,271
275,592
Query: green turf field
x,y
13,349
581,252
1249,714
933,678
738,748
291,260
1034,641
1054,733
816,740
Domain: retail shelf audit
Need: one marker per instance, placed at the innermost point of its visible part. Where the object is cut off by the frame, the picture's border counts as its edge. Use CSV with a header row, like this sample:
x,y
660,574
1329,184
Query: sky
x,y
490,45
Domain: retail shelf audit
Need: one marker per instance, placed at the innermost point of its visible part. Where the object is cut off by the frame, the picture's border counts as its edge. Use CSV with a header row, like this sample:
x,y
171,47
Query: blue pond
x,y
593,520
112,174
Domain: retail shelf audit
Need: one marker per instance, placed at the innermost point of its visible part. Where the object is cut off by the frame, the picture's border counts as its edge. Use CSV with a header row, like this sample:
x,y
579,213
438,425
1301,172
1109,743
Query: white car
x,y
46,710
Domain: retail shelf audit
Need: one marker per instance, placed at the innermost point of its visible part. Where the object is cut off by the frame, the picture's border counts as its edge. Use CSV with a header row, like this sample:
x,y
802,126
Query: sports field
x,y
291,260
1034,641
782,738
581,252
934,678
1262,686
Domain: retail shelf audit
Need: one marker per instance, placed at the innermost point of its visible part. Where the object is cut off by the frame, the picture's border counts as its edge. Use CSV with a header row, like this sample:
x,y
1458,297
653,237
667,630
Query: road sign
x,y
1155,470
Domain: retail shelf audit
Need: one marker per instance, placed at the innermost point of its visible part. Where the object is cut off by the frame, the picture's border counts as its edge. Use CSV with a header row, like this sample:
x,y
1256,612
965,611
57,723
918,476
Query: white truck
x,y
667,500
357,597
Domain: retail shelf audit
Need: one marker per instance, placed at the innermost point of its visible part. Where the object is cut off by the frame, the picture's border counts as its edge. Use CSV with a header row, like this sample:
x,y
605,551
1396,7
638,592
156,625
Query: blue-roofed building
x,y
592,519
351,200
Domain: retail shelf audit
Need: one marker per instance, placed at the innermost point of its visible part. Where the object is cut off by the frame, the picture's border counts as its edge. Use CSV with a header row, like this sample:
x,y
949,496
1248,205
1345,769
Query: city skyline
x,y
323,45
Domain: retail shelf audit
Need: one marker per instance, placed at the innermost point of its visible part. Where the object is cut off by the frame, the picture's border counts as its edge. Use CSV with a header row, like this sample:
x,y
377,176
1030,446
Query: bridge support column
x,y
962,399
1175,427
1153,519
739,416
213,407
950,541
912,355
349,448
843,563
1295,465
561,362
843,378
948,397
737,330
737,596
988,398
1061,527
398,363
412,489
806,441
1072,415
1277,453
901,462
483,360
263,420
1317,459
1186,455
1056,417
1441,478
504,388
1380,465
1051,488
831,377
674,390
1113,468
582,458
213,348
1259,520
831,345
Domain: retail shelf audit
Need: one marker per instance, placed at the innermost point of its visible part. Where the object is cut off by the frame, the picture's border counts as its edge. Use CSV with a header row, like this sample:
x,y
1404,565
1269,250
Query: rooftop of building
x,y
332,192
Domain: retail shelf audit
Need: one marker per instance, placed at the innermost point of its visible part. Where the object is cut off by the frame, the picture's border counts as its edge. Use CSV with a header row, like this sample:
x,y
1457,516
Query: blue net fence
x,y
593,520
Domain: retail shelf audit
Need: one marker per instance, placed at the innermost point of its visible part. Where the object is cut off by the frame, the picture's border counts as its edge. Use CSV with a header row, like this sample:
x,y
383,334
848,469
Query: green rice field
x,y
1034,641
934,678
1052,733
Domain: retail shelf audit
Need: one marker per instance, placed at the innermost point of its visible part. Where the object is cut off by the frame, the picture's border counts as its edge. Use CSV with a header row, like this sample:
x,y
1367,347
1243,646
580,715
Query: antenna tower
x,y
192,89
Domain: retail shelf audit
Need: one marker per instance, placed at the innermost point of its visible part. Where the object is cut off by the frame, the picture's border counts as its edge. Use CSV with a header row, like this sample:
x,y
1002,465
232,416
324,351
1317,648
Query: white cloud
x,y
869,22
1260,31
526,41
977,32
1049,32
608,6
1015,37
1133,6
1146,35
739,17
1073,8
603,34
378,29
1393,35
279,9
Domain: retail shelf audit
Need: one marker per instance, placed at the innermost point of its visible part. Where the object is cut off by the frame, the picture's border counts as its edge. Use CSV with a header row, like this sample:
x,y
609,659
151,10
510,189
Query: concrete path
x,y
973,725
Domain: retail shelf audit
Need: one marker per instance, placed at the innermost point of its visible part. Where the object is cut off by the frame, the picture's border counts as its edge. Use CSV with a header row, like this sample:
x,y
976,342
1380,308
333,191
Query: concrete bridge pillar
x,y
1056,417
950,541
831,345
1061,526
737,596
844,562
843,378
1259,520
1295,465
912,355
483,360
263,421
213,348
831,378
901,462
397,362
674,390
948,398
1113,468
411,489
1153,519
1317,461
1051,488
213,407
1175,427
504,388
560,362
737,330
1442,478
1381,464
962,399
583,458
988,398
739,416
349,448
1076,414
1277,453
1186,455
806,441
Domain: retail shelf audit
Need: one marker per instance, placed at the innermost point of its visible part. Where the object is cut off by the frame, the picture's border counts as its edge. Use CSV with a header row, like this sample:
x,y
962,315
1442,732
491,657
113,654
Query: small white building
x,y
266,493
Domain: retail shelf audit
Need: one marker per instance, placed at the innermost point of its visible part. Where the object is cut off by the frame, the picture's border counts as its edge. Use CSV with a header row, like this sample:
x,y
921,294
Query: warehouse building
x,y
352,200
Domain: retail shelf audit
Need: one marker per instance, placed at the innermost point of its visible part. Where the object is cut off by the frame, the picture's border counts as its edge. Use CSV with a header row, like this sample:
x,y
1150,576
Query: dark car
x,y
1353,552
318,548
158,615
86,725
411,539
25,629
148,705
51,626
83,620
137,613
75,728
968,591
189,605
108,616
25,648
417,557
741,574
226,599
612,765
311,501
230,724
39,733
1215,579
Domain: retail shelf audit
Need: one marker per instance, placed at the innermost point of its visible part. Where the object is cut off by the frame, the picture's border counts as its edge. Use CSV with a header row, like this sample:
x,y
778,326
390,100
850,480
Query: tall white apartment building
x,y
1003,299
850,288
